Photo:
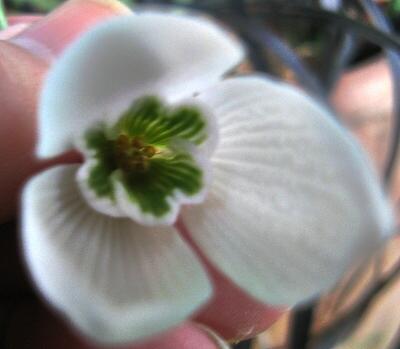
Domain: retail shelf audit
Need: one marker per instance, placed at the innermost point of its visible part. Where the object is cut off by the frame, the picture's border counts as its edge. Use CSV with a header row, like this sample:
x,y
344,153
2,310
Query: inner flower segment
x,y
132,154
148,154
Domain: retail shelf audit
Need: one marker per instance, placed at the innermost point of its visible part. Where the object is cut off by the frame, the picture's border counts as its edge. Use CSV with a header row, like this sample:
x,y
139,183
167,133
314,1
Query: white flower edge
x,y
115,280
168,55
293,201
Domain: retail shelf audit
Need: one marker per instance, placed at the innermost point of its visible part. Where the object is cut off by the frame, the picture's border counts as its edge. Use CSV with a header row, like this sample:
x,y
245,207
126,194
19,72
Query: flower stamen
x,y
145,163
132,154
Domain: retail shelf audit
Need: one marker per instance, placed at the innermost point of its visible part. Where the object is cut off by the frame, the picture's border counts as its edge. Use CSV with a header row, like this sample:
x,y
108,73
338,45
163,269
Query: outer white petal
x,y
293,200
117,281
124,58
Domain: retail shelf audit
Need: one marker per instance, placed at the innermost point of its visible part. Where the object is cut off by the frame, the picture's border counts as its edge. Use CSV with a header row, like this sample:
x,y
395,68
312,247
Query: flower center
x,y
146,163
132,154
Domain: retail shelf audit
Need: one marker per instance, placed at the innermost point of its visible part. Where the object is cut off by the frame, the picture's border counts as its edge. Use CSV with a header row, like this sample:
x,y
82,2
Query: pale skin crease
x,y
231,313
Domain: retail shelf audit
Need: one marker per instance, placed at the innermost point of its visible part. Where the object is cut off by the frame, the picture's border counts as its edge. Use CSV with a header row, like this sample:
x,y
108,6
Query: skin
x,y
42,329
27,49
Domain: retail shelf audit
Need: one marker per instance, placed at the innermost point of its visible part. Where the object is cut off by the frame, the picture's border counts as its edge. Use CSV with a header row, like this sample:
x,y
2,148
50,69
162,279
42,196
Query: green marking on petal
x,y
151,190
100,174
148,151
158,125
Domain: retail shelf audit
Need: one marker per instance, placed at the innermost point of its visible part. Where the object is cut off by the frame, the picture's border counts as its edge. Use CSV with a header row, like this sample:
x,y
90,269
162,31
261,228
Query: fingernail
x,y
13,30
26,19
219,342
48,37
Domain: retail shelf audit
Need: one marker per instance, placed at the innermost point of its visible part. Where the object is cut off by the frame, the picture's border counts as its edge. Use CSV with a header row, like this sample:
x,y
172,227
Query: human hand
x,y
31,45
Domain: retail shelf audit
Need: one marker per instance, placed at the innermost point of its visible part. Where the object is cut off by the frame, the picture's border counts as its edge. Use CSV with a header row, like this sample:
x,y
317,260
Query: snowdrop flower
x,y
271,188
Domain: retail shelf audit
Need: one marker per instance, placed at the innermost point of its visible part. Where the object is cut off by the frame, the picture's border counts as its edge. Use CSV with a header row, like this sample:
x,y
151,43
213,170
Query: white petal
x,y
293,200
124,58
117,281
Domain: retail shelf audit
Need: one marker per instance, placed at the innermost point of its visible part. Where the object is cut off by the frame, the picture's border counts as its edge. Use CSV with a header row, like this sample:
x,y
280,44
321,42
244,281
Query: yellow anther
x,y
137,143
122,141
132,154
149,151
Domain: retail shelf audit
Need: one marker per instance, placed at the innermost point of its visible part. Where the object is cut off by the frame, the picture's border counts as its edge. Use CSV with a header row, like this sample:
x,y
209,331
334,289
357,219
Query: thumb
x,y
33,326
24,60
47,38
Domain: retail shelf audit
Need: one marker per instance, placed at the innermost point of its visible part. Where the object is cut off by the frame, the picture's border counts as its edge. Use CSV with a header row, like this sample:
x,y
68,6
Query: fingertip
x,y
231,312
186,336
23,19
34,326
20,77
49,36
24,59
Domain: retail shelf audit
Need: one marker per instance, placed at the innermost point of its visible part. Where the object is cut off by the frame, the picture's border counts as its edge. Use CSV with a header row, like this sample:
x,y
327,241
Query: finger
x,y
25,19
23,64
13,30
364,99
49,36
33,326
16,25
20,77
186,336
13,280
231,312
364,92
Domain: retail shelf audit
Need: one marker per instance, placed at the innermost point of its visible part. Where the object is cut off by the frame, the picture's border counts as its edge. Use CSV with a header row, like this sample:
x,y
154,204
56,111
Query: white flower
x,y
271,188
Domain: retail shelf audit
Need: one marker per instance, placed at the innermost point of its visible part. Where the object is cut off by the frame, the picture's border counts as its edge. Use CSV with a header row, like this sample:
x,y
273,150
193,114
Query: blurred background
x,y
346,54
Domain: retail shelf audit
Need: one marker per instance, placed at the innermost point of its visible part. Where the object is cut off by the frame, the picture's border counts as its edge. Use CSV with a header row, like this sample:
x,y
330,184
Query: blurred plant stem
x,y
3,18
